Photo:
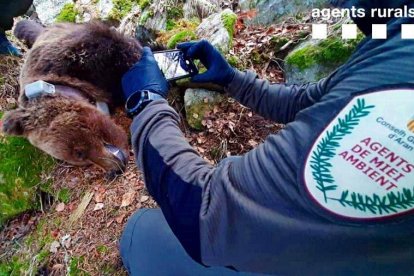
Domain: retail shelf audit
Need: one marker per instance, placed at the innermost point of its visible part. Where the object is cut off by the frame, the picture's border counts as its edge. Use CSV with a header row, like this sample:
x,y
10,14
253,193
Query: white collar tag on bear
x,y
361,167
38,88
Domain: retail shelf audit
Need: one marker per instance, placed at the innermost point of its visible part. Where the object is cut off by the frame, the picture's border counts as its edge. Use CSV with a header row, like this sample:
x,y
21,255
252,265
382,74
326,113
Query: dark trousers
x,y
149,247
10,9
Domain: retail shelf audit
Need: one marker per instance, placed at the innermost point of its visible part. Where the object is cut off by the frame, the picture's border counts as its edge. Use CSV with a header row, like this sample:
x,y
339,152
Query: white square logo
x,y
349,31
407,31
379,31
319,31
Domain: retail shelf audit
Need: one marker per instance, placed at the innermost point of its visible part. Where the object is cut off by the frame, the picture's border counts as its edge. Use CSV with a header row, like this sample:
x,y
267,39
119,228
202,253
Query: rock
x,y
197,103
47,10
200,8
274,11
155,21
315,59
246,5
218,29
130,22
104,8
93,9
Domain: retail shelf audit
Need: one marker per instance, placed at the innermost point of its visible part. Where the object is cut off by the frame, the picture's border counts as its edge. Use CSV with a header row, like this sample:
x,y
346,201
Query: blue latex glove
x,y
6,48
219,71
145,75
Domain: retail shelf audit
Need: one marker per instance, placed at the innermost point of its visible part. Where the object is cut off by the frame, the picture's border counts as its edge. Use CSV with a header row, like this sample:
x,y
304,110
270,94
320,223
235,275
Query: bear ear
x,y
13,122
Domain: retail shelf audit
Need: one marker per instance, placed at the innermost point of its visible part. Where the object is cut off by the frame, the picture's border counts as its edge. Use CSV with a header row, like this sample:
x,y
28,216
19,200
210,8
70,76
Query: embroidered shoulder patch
x,y
362,165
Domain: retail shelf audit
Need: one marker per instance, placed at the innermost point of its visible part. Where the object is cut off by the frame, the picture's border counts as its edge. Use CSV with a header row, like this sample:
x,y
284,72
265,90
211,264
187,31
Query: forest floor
x,y
76,232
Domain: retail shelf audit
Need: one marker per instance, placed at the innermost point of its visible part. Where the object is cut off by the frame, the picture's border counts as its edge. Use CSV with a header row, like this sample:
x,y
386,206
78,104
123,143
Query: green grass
x,y
14,268
67,14
21,167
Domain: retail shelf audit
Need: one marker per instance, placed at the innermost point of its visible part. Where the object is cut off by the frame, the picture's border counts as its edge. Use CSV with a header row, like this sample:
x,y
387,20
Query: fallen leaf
x,y
54,247
98,206
58,267
127,199
120,218
54,233
60,207
253,143
109,223
82,207
144,198
99,198
65,241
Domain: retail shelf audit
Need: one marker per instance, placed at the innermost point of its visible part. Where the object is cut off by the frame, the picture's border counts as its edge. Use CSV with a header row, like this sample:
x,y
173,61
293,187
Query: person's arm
x,y
211,207
278,102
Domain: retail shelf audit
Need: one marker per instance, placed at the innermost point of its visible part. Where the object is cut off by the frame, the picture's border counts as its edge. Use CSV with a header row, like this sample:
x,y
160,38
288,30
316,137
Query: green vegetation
x,y
144,3
67,14
20,175
74,264
278,42
64,195
173,15
37,244
229,21
178,31
14,267
181,37
145,16
331,51
102,249
123,7
235,62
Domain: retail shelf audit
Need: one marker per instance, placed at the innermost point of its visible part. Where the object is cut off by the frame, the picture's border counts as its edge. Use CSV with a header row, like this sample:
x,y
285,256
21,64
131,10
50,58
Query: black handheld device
x,y
174,65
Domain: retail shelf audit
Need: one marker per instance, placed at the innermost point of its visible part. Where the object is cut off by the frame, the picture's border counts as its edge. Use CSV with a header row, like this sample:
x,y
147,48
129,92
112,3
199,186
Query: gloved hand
x,y
219,71
145,75
6,48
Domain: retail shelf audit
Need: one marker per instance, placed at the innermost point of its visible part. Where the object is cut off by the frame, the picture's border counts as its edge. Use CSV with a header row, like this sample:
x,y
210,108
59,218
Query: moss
x,y
235,62
331,51
121,8
180,37
175,12
256,57
102,249
170,24
74,266
144,17
64,195
178,31
144,3
67,14
229,21
13,267
278,42
21,168
42,256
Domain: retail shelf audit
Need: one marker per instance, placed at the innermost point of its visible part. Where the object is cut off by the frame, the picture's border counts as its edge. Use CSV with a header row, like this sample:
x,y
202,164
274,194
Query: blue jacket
x,y
317,197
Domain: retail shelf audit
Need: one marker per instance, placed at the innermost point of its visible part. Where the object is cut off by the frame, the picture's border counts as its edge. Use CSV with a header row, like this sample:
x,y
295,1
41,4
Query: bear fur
x,y
90,58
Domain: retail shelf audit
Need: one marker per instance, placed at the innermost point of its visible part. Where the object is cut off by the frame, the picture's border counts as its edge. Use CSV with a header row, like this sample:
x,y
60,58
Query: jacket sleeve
x,y
277,102
209,208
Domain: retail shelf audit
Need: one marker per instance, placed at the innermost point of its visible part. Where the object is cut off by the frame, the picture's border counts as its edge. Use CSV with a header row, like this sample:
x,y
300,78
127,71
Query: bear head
x,y
70,130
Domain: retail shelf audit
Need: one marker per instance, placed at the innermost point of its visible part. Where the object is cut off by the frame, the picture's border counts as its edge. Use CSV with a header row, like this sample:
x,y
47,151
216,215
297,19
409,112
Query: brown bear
x,y
85,62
